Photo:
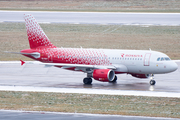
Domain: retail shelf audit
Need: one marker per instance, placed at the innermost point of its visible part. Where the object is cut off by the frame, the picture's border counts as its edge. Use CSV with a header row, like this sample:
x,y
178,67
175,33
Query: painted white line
x,y
90,91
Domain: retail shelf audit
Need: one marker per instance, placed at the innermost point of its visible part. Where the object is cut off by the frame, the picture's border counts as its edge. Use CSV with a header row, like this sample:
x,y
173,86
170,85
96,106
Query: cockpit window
x,y
163,59
167,59
158,59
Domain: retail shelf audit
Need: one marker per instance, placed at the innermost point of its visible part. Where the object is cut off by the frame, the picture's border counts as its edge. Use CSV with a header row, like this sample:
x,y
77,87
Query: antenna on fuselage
x,y
149,49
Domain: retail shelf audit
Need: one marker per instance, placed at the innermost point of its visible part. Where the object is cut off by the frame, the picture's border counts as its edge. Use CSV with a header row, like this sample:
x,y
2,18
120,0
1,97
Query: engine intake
x,y
104,75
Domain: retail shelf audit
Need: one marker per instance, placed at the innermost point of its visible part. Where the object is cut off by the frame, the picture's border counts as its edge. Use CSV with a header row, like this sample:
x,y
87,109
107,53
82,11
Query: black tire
x,y
152,82
87,81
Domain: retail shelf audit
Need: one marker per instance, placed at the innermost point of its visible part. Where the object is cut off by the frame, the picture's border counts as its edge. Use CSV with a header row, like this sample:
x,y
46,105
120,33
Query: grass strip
x,y
95,104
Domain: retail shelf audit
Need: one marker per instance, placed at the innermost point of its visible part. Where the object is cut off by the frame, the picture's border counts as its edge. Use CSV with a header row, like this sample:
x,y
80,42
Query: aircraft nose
x,y
173,66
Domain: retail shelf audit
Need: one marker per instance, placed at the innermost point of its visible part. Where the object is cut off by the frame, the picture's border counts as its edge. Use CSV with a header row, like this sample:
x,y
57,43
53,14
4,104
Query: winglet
x,y
22,62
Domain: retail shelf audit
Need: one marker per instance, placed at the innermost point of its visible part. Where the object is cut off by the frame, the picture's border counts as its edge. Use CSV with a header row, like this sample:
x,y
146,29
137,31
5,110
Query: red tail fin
x,y
36,36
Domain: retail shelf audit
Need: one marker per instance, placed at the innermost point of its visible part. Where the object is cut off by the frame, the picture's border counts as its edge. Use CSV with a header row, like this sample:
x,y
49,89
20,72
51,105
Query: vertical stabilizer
x,y
36,36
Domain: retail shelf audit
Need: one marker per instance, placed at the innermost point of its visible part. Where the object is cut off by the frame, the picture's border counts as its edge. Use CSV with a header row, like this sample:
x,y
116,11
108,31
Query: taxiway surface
x,y
29,115
34,75
171,19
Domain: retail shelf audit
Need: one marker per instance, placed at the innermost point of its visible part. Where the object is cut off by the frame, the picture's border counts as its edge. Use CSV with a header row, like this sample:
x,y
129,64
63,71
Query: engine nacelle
x,y
104,75
141,75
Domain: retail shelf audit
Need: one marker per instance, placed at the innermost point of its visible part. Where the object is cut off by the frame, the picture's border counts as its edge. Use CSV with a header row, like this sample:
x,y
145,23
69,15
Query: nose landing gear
x,y
152,81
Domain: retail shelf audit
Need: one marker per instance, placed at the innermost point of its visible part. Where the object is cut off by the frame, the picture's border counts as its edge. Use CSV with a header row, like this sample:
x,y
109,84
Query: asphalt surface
x,y
34,75
20,115
95,17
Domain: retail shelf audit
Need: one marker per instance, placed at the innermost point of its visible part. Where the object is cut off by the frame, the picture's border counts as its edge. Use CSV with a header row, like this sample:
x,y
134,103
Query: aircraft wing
x,y
79,66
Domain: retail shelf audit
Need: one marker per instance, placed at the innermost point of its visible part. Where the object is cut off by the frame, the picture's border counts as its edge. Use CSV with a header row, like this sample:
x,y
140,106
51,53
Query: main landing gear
x,y
87,81
152,81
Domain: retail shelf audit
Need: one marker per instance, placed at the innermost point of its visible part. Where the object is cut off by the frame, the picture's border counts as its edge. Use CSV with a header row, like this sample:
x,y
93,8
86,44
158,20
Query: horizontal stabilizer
x,y
22,62
22,53
34,54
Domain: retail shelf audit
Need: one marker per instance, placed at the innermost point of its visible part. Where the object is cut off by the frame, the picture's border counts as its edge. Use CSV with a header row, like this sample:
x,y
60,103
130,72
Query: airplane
x,y
100,64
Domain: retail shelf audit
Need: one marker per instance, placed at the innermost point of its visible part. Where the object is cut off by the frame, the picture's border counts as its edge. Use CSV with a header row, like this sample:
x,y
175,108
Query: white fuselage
x,y
125,61
141,61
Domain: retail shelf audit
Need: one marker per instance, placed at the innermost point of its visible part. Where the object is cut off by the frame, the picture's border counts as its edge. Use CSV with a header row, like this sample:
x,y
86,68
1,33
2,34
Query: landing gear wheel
x,y
87,81
115,80
152,82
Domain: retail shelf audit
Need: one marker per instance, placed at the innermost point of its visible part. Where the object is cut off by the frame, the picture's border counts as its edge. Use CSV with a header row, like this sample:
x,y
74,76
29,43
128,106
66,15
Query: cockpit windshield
x,y
163,59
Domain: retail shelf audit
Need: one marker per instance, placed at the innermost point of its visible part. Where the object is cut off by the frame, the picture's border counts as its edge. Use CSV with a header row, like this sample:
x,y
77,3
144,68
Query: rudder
x,y
36,36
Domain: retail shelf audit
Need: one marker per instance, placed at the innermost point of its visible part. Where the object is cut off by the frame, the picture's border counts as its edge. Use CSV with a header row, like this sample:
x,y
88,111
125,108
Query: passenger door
x,y
147,59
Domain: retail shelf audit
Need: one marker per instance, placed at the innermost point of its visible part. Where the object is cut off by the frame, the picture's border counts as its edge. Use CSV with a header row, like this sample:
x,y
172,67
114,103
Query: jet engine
x,y
141,75
104,75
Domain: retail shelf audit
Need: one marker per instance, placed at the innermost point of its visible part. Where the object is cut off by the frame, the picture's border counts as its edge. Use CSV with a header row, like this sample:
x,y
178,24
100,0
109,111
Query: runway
x,y
165,19
38,76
